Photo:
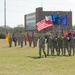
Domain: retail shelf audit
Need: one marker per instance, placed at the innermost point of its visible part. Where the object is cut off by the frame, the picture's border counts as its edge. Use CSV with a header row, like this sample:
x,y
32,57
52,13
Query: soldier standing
x,y
30,40
60,44
24,39
71,44
14,39
65,45
42,45
21,39
55,44
50,45
33,39
18,39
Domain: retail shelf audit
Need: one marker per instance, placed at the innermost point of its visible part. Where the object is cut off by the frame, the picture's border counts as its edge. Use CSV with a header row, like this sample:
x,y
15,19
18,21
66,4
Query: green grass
x,y
25,61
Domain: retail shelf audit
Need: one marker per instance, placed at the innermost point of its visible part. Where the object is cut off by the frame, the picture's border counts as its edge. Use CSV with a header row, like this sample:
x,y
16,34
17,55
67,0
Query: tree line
x,y
18,28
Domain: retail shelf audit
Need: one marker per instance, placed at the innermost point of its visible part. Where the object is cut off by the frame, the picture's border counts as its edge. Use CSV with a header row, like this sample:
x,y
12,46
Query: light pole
x,y
5,16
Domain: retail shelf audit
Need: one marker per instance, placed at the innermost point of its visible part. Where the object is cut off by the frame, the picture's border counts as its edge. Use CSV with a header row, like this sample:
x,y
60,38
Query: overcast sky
x,y
16,9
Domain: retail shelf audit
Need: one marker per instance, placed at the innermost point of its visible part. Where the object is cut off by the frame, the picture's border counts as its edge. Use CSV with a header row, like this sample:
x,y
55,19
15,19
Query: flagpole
x,y
5,16
53,29
66,28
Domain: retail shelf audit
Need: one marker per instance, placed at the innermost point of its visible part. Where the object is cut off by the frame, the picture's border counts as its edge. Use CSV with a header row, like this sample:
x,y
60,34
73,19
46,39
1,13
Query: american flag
x,y
44,24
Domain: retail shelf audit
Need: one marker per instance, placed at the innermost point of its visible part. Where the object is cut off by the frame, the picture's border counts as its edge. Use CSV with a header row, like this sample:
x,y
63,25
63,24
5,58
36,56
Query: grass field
x,y
25,61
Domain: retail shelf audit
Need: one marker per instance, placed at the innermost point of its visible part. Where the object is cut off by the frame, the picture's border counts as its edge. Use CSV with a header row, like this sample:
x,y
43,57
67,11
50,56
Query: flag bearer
x,y
42,45
10,41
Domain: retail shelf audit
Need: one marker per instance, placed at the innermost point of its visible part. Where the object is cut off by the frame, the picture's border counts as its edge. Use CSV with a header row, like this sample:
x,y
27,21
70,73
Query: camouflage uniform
x,y
18,39
36,39
30,40
71,45
24,39
60,44
14,39
65,45
50,45
42,46
55,44
21,40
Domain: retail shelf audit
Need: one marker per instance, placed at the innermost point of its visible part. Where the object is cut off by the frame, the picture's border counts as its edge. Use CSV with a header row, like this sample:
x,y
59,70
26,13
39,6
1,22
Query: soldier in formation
x,y
50,45
62,44
42,45
12,38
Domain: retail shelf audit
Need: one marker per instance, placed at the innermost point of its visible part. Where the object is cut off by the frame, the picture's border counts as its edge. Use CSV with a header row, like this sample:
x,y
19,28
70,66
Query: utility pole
x,y
5,16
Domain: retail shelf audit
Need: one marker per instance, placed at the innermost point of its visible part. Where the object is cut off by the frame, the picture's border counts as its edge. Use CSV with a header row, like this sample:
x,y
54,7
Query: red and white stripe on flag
x,y
44,24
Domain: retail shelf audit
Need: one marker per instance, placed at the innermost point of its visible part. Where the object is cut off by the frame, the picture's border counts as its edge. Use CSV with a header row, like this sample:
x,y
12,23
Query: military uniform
x,y
14,39
71,45
21,40
65,45
50,45
18,39
36,39
55,44
60,45
24,39
30,40
42,46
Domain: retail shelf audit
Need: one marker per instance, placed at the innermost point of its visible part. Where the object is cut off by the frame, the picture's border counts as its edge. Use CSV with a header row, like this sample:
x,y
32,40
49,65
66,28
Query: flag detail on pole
x,y
47,22
8,37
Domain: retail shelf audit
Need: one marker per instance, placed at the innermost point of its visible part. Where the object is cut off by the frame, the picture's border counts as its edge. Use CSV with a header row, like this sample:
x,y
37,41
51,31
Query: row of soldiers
x,y
58,45
54,44
21,39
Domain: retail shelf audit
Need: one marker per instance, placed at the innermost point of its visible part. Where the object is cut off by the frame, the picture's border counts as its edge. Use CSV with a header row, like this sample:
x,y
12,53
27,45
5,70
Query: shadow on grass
x,y
37,57
50,56
34,57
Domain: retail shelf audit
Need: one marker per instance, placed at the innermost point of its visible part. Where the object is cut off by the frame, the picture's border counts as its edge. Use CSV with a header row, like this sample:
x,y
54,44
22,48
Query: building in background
x,y
31,19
